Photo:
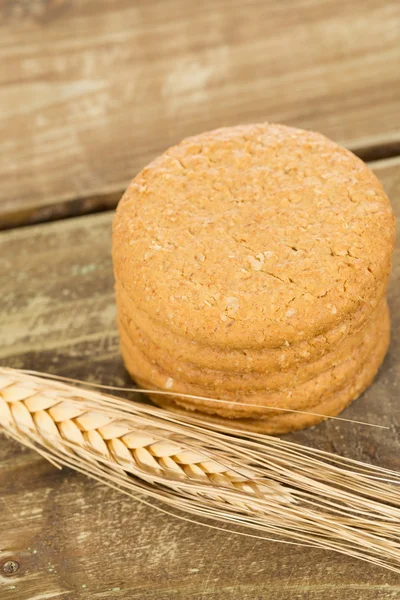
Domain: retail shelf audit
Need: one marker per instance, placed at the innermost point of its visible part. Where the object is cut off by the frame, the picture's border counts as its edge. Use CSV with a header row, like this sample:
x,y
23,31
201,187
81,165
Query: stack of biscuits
x,y
251,266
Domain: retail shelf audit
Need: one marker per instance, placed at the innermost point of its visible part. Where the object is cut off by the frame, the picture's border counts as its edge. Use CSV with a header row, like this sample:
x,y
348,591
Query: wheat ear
x,y
282,490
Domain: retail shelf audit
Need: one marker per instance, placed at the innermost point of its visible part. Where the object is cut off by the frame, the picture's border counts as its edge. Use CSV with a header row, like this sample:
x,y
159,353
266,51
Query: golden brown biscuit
x,y
210,379
330,405
263,360
253,236
252,403
251,265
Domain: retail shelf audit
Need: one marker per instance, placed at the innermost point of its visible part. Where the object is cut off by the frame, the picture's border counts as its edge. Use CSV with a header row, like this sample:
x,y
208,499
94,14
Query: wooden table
x,y
90,91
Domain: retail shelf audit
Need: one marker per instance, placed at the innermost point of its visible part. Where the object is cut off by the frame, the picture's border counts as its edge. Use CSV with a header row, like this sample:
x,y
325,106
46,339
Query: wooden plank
x,y
91,90
77,539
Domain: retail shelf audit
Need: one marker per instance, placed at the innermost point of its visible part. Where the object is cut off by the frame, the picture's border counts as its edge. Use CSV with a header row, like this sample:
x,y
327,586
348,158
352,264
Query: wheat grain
x,y
295,494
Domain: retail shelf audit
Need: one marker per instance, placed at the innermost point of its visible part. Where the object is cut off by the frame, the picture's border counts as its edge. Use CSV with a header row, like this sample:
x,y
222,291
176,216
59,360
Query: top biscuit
x,y
253,236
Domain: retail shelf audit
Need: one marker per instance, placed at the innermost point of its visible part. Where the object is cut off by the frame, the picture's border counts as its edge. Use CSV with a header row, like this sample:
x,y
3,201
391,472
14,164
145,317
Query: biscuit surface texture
x,y
253,236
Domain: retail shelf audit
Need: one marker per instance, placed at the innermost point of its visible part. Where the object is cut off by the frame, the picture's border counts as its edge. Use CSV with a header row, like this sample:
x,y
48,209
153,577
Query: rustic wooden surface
x,y
90,90
77,539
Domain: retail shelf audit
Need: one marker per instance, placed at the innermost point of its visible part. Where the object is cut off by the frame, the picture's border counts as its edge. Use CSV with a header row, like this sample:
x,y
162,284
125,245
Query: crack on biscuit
x,y
273,275
300,287
241,242
296,298
178,160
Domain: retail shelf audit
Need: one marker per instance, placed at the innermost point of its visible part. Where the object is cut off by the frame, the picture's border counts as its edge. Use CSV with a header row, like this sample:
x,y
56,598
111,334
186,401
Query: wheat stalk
x,y
281,490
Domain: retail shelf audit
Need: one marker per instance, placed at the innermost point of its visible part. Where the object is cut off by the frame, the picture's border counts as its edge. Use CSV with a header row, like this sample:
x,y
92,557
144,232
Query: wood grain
x,y
74,538
91,90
